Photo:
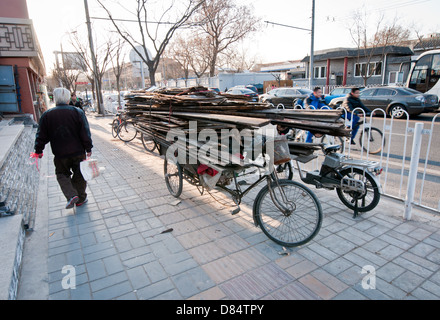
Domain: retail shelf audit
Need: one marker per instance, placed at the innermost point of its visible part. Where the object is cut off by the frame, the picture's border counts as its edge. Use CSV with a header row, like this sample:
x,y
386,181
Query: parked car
x,y
395,100
245,92
337,93
285,96
250,87
217,90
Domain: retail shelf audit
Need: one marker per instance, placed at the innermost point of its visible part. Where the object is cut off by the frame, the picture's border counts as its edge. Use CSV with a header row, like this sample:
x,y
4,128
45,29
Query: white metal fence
x,y
406,175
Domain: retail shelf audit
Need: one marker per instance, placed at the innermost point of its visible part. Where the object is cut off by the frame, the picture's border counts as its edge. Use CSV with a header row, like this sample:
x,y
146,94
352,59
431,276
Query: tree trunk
x,y
118,87
213,64
152,76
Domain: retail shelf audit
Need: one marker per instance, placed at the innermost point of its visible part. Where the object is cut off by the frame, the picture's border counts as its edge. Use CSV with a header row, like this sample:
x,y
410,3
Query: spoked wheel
x,y
330,140
299,221
115,126
366,202
372,143
148,142
284,171
173,177
127,131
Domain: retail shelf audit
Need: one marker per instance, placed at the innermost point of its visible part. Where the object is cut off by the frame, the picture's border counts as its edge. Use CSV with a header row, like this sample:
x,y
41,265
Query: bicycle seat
x,y
333,148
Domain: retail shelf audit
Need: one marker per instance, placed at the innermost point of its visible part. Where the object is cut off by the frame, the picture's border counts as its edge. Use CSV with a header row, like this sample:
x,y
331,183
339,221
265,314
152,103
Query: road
x,y
396,166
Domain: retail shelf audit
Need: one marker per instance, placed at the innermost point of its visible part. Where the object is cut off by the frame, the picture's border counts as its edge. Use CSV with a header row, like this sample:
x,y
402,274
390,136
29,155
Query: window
x,y
367,93
320,72
373,69
291,92
385,92
337,92
395,77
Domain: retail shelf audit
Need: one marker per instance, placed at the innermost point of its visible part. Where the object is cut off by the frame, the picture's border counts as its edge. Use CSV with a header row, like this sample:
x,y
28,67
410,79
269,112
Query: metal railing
x,y
405,178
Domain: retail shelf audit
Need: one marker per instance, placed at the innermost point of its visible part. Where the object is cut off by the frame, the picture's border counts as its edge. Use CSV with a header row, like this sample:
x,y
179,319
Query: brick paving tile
x,y
317,287
117,247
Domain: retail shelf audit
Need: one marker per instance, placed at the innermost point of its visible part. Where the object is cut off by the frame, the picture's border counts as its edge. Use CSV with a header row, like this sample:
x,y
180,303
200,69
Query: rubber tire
x,y
288,167
361,136
146,146
115,126
119,133
167,182
257,216
340,140
397,105
376,197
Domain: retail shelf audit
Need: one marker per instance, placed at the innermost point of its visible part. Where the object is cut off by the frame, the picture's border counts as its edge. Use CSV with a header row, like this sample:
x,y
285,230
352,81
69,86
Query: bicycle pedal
x,y
235,211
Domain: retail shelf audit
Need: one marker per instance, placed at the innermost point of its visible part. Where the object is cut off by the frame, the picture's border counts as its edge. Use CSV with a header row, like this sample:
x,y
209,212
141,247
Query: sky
x,y
54,19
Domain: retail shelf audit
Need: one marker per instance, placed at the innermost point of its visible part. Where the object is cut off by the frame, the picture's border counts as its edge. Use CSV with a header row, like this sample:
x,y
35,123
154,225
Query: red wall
x,y
14,9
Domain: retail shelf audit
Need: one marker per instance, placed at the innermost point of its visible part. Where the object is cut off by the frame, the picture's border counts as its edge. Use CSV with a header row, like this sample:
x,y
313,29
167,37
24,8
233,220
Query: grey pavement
x,y
117,249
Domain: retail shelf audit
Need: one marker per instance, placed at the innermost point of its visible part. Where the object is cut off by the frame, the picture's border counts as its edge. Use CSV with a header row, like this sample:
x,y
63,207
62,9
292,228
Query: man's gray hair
x,y
61,96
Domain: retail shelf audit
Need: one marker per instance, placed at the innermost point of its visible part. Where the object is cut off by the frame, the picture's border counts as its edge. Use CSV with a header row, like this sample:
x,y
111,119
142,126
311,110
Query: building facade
x,y
22,69
350,67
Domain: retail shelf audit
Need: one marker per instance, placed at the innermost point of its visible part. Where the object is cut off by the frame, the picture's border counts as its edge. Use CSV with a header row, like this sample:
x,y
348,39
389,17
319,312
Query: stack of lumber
x,y
156,113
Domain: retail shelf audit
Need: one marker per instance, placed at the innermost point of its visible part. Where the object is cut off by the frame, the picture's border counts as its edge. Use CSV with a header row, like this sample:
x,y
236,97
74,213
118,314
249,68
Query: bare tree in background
x,y
180,51
374,44
67,78
150,35
239,60
225,23
103,56
117,61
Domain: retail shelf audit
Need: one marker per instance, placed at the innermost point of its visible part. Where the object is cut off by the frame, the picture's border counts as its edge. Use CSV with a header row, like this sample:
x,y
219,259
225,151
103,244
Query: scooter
x,y
356,181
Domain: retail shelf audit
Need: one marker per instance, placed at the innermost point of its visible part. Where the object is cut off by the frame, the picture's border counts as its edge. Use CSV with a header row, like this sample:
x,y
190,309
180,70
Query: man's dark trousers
x,y
70,178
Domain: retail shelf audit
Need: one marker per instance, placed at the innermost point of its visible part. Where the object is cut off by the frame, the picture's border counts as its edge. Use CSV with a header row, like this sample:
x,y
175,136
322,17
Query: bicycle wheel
x,y
368,201
301,222
284,171
148,142
375,143
173,177
115,125
331,140
127,131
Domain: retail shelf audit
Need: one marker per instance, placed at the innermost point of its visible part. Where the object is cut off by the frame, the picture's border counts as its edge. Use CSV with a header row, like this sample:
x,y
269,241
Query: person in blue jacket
x,y
314,102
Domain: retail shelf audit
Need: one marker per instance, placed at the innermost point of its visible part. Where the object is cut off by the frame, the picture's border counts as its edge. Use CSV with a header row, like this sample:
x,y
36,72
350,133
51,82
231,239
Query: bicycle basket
x,y
281,150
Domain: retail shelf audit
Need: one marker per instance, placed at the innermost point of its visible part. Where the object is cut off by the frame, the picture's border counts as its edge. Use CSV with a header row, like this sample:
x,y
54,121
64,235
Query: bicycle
x,y
374,141
116,123
288,212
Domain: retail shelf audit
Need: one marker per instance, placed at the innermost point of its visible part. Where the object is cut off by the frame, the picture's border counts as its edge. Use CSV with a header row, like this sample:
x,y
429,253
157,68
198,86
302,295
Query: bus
x,y
425,74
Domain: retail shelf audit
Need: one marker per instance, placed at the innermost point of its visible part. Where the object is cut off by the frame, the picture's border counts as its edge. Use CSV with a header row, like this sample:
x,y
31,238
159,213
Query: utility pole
x,y
312,49
92,52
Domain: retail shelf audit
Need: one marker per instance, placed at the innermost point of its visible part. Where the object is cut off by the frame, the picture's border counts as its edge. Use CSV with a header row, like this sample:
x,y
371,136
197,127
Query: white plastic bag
x,y
89,169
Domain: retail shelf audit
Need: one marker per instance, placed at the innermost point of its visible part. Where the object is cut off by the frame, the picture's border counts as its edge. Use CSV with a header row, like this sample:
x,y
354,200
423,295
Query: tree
x,y
224,23
117,60
376,44
66,78
150,35
239,60
103,56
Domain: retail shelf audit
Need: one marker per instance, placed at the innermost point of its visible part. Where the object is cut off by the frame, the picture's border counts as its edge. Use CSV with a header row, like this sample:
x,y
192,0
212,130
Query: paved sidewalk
x,y
118,250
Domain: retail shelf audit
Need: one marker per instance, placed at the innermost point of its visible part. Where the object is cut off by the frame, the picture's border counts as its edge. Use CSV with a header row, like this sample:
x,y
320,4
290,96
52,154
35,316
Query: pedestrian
x,y
67,129
352,102
75,102
314,102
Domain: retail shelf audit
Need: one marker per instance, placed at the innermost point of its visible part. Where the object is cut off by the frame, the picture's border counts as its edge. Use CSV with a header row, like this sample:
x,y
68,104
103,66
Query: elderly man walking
x,y
67,129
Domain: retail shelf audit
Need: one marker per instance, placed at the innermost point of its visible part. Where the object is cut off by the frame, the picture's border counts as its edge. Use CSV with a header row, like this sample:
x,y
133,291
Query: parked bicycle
x,y
288,212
